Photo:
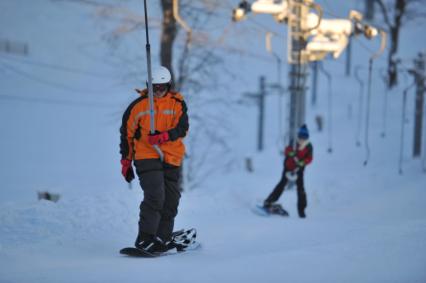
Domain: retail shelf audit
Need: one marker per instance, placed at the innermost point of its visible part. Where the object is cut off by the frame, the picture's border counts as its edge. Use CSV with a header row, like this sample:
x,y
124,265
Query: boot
x,y
267,204
150,243
301,205
301,213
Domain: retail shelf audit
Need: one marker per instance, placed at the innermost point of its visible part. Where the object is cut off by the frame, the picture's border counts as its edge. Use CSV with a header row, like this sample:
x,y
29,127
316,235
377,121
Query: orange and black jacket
x,y
170,115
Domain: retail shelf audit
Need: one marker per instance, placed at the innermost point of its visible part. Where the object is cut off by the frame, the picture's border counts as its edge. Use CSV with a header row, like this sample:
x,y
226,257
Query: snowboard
x,y
182,237
135,252
275,209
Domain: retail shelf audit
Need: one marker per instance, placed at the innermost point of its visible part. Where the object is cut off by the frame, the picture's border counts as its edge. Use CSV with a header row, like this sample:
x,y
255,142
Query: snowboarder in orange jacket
x,y
158,178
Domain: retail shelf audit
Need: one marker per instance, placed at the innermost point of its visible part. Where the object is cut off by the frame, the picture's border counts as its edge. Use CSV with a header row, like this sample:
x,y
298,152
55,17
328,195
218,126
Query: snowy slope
x,y
364,224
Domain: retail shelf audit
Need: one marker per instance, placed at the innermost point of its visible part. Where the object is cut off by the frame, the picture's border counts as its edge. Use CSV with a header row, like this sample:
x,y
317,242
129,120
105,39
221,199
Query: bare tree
x,y
169,32
195,73
194,65
395,14
196,76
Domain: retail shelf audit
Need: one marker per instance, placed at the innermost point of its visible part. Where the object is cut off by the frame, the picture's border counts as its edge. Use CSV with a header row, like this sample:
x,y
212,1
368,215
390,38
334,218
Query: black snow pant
x,y
301,194
160,185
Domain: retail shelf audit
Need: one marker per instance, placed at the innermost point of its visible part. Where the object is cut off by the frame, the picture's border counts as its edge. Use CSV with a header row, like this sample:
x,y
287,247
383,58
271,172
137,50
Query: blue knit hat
x,y
303,132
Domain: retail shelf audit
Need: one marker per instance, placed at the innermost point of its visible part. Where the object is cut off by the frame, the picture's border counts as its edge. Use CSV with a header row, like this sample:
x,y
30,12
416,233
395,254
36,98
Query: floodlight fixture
x,y
239,13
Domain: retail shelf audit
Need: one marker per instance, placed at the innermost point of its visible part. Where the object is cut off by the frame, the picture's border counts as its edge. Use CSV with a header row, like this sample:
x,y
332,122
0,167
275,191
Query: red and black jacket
x,y
304,152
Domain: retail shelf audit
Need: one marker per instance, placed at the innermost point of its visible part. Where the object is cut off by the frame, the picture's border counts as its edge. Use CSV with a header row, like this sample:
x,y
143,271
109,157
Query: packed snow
x,y
59,133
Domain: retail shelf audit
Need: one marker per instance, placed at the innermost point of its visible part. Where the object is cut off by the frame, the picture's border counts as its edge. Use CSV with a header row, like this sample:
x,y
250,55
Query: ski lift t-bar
x,y
150,90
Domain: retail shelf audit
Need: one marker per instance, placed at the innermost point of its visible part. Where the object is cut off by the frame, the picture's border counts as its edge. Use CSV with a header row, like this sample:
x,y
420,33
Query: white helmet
x,y
161,75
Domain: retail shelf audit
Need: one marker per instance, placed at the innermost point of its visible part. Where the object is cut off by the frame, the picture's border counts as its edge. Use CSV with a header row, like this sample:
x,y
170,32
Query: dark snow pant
x,y
301,195
160,185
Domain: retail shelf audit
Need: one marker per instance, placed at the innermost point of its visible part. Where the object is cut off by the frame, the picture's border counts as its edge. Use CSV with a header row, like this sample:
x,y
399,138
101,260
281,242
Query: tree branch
x,y
385,13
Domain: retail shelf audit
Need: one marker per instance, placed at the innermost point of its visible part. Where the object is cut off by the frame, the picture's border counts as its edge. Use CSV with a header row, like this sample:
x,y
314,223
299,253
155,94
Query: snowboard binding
x,y
276,208
183,239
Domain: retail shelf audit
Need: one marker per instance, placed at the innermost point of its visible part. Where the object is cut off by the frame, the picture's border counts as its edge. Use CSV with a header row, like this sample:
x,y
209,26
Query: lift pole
x,y
298,69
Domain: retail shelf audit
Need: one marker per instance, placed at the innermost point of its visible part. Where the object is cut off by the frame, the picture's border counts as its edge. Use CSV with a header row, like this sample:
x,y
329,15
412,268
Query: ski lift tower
x,y
296,42
295,14
310,38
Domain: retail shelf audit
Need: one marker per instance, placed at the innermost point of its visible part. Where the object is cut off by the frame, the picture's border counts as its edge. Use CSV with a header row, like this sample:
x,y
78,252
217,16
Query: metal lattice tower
x,y
297,57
